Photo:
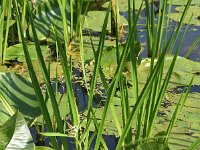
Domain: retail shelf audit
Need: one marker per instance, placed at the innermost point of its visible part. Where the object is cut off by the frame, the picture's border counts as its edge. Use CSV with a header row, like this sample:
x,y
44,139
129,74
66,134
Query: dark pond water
x,y
181,89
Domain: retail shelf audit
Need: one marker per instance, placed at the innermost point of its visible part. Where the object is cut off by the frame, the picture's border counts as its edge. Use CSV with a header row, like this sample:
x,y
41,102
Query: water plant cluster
x,y
72,75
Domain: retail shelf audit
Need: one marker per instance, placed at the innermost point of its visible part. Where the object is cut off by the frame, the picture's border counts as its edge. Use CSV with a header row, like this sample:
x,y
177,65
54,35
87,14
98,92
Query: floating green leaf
x,y
96,23
123,5
184,2
193,10
186,128
152,145
183,71
16,52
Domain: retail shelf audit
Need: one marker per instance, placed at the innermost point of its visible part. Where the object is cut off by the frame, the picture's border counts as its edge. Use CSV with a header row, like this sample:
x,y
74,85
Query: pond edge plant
x,y
151,94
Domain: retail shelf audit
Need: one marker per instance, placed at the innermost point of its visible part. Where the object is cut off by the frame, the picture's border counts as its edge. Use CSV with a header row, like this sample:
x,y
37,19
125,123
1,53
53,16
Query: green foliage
x,y
19,94
47,15
134,94
193,11
14,134
42,148
16,52
184,2
96,23
152,145
183,70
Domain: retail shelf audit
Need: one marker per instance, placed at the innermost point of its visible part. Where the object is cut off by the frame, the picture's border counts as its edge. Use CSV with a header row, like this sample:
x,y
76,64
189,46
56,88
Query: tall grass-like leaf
x,y
98,56
167,22
192,47
63,5
133,60
23,16
85,135
149,27
82,57
141,100
180,25
67,76
48,83
178,109
164,85
161,26
35,81
71,18
9,11
2,13
78,4
113,86
102,76
194,145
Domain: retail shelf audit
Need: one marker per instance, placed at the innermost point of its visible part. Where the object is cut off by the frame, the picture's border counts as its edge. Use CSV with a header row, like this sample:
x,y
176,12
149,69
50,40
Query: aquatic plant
x,y
131,98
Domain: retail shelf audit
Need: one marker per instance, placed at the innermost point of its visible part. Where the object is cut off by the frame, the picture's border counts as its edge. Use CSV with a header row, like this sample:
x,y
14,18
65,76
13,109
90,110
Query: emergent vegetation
x,y
72,75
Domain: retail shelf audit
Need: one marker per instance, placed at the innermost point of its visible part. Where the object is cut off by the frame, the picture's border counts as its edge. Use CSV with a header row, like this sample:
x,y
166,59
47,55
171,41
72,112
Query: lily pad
x,y
152,145
183,71
184,2
16,52
88,51
186,128
18,92
96,23
123,5
193,10
42,148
